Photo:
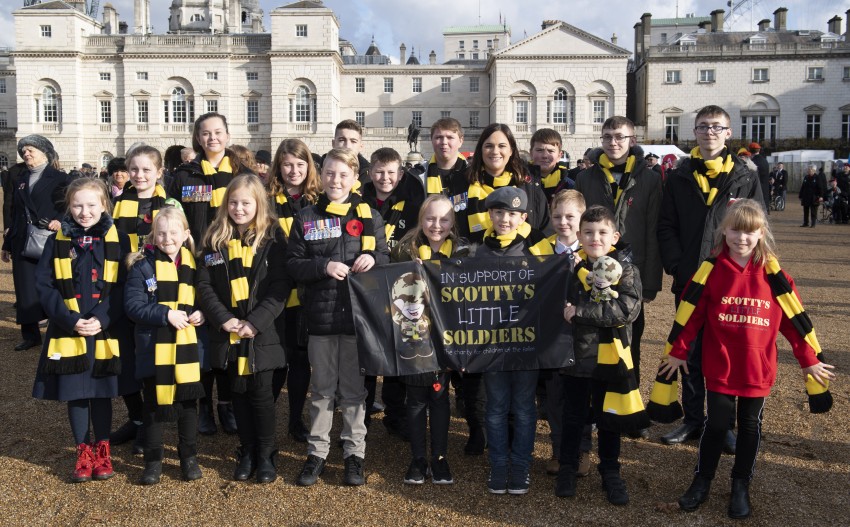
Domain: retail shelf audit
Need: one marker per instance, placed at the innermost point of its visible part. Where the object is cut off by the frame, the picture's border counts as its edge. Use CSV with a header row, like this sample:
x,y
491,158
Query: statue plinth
x,y
413,157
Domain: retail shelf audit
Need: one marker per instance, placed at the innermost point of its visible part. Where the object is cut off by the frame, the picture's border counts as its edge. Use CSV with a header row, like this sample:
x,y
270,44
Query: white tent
x,y
801,156
663,150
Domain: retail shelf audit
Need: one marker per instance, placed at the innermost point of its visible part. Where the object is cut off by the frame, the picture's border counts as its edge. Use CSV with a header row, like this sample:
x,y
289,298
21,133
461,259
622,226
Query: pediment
x,y
103,94
599,93
814,108
522,93
250,94
141,93
562,39
211,93
673,109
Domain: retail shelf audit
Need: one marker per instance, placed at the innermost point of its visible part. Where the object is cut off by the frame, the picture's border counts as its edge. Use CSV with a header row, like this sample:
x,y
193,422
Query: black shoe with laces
x,y
354,474
417,472
441,474
310,472
615,488
125,433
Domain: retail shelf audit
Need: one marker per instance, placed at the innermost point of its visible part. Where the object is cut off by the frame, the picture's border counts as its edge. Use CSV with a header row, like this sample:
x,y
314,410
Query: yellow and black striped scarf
x,y
66,352
360,224
622,408
220,178
426,253
537,244
396,213
664,404
178,367
126,213
617,188
240,259
477,215
710,175
285,211
433,180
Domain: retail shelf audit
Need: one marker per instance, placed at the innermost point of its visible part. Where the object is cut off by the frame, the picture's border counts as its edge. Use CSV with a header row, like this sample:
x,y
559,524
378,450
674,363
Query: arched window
x,y
49,105
4,162
105,158
178,104
303,105
560,106
178,107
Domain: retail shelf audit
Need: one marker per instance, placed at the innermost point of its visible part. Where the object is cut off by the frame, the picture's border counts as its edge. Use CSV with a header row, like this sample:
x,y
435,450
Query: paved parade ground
x,y
802,475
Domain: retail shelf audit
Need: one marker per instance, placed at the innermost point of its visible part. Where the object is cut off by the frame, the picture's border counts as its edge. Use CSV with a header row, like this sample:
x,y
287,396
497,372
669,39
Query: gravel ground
x,y
801,479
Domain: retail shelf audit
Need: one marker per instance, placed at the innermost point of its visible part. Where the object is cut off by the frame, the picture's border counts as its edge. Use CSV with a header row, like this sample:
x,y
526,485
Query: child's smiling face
x,y
597,238
506,221
565,220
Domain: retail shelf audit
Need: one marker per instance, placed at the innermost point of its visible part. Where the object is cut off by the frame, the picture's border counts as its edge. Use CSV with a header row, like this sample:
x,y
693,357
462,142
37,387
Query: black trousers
x,y
187,425
296,376
580,393
474,399
721,409
219,377
392,395
810,211
255,413
422,402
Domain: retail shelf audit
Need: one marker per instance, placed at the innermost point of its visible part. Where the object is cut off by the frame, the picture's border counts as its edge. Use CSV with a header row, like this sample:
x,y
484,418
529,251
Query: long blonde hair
x,y
222,229
171,215
747,215
310,187
409,243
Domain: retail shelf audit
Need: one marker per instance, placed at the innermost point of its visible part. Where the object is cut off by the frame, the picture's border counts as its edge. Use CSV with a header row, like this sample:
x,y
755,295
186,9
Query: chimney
x,y
705,26
646,31
432,58
638,40
764,25
110,20
834,25
779,18
847,28
717,20
548,23
402,53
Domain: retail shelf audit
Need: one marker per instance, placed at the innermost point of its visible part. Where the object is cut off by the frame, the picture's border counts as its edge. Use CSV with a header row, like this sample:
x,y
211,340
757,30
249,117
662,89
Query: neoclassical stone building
x,y
94,91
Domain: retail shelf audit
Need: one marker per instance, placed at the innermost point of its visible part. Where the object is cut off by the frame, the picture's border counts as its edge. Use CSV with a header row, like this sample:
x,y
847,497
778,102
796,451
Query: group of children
x,y
263,300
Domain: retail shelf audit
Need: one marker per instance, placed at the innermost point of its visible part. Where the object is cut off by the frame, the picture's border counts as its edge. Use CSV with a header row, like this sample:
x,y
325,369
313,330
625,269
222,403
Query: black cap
x,y
264,157
86,165
651,155
507,198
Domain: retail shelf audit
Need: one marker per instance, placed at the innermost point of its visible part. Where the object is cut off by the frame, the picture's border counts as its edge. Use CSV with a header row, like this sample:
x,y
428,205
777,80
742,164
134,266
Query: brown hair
x,y
246,158
515,165
348,124
598,214
385,155
617,121
235,165
447,123
311,187
712,110
546,136
145,150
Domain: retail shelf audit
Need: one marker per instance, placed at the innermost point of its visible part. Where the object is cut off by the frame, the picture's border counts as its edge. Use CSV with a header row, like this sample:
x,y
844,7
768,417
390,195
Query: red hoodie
x,y
741,320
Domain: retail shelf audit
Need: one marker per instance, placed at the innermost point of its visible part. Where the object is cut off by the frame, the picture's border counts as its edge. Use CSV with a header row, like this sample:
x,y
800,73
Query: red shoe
x,y
102,461
85,462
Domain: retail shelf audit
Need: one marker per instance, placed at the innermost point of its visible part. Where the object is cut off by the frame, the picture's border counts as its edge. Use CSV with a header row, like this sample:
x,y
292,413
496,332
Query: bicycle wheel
x,y
779,203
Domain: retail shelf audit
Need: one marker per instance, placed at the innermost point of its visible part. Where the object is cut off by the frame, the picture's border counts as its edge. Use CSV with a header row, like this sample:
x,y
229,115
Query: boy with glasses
x,y
695,200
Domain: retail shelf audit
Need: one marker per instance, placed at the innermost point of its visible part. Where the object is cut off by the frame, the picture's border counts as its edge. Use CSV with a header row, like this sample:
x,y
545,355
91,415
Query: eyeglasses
x,y
704,128
615,138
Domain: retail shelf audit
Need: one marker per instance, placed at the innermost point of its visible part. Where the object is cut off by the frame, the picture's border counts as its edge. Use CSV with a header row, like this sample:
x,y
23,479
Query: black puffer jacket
x,y
411,192
199,213
686,225
326,301
270,286
591,316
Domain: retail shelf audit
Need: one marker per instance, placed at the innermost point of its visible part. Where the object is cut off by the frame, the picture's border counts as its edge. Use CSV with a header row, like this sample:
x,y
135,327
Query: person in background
x,y
118,176
246,159
764,171
812,192
652,162
779,180
264,161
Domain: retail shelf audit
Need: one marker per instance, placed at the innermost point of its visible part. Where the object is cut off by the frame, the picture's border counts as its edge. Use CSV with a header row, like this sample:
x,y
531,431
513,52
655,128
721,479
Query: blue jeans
x,y
511,392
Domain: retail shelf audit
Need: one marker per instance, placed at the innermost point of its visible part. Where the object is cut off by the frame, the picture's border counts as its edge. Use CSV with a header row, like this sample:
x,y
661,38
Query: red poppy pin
x,y
631,200
354,227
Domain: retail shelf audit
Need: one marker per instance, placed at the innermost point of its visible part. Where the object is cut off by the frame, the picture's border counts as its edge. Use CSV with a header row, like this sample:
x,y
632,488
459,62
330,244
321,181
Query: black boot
x,y
696,495
125,432
266,472
189,468
739,501
153,467
298,431
139,441
227,418
206,419
565,484
245,463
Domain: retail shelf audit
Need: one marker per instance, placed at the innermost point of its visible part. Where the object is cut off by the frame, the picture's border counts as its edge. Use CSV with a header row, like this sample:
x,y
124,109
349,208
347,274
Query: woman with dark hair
x,y
199,186
496,163
38,198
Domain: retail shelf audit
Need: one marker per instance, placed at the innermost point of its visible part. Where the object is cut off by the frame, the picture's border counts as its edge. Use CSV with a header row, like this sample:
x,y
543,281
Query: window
x,y
489,44
141,75
178,108
461,56
105,76
461,45
474,84
142,111
758,128
360,84
303,105
49,105
212,75
2,85
417,84
663,38
474,44
672,76
845,126
197,17
760,75
814,73
845,77
252,76
46,31
813,126
445,114
522,112
360,118
388,84
474,119
252,112
4,122
417,118
475,56
212,105
4,161
706,76
388,119
559,106
599,112
671,129
301,30
445,84
105,112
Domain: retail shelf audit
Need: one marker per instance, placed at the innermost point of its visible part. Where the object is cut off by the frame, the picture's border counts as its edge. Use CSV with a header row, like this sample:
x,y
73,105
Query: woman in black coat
x,y
40,191
812,192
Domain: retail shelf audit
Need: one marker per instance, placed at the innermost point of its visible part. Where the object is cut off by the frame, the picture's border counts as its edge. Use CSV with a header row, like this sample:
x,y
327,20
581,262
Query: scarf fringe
x,y
66,365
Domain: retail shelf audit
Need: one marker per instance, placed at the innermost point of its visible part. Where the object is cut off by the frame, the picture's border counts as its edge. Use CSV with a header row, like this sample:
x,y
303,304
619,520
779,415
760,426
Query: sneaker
x,y
354,474
441,474
497,483
417,472
519,482
310,472
615,488
583,464
552,466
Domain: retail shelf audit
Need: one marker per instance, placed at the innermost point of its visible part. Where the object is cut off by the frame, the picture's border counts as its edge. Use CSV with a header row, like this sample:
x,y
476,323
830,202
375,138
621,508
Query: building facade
x,y
775,82
94,91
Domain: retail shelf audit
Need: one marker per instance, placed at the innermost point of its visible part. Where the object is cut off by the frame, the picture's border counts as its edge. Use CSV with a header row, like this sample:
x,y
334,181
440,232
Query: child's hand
x,y
363,263
670,365
178,319
569,312
87,327
246,330
337,270
197,318
419,261
819,372
232,325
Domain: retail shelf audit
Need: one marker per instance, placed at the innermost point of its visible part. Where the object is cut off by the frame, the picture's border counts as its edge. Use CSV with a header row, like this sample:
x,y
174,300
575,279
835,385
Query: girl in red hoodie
x,y
741,300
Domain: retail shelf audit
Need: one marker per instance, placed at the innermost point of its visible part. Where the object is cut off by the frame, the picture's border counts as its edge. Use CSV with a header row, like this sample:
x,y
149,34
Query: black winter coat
x,y
270,286
763,169
812,190
326,301
409,190
686,224
199,213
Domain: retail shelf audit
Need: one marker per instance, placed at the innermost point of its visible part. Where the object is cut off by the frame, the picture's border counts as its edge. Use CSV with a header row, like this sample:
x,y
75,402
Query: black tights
x,y
719,412
98,411
219,377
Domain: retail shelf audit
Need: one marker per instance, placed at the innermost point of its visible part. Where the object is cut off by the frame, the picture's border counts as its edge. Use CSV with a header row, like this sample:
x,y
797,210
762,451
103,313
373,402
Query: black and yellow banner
x,y
472,314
